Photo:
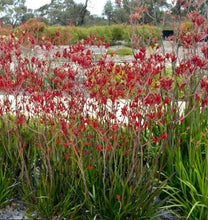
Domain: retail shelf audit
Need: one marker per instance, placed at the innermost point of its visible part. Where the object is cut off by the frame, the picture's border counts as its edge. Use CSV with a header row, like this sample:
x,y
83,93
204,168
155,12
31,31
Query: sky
x,y
94,6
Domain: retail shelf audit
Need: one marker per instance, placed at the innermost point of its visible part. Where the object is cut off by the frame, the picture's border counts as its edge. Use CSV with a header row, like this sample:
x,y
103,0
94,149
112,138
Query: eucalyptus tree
x,y
63,12
150,11
108,11
12,12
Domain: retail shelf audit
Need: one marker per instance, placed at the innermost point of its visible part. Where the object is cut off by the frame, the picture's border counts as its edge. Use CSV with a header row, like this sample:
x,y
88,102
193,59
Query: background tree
x,y
108,11
121,14
178,9
12,12
183,7
152,11
155,10
63,12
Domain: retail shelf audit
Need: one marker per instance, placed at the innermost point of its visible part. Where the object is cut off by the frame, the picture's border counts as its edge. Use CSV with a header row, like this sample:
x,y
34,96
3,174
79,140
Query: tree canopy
x,y
152,11
12,11
65,12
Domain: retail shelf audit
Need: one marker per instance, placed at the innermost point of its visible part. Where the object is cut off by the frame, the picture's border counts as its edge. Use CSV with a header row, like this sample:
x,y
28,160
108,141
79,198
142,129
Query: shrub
x,y
32,28
80,34
111,34
117,32
61,35
142,35
103,32
122,52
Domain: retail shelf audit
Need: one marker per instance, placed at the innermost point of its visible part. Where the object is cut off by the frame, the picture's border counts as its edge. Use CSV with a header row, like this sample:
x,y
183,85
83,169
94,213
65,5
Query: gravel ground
x,y
16,210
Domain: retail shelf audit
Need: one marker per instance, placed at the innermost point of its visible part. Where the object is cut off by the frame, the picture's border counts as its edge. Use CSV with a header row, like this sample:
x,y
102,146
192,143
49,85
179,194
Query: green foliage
x,y
122,52
47,183
65,35
13,12
65,12
102,32
6,184
91,20
59,181
80,34
108,11
117,32
71,169
118,194
142,35
7,179
188,188
110,34
122,10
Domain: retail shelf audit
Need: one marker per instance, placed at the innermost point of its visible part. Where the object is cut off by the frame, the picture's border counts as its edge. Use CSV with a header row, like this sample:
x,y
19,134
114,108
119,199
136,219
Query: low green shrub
x,y
142,35
103,32
117,32
121,51
80,33
110,34
60,35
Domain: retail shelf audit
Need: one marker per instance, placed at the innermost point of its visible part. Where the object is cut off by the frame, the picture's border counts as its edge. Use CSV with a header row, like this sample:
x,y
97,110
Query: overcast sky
x,y
94,6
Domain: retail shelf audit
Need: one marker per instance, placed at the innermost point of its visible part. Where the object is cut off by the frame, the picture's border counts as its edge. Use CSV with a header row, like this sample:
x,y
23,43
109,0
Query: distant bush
x,y
118,32
32,27
103,32
79,34
141,35
60,34
67,35
75,34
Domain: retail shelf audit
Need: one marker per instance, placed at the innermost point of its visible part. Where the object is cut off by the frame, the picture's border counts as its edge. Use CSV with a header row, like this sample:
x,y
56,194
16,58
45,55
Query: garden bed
x,y
115,144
